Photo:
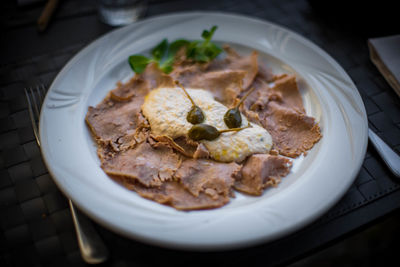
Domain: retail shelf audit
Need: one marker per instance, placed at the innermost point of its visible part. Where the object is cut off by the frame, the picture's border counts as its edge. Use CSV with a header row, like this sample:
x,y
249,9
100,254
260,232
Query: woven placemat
x,y
36,225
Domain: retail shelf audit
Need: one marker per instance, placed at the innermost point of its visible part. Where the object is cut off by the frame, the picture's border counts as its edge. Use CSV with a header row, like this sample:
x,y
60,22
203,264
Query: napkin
x,y
385,54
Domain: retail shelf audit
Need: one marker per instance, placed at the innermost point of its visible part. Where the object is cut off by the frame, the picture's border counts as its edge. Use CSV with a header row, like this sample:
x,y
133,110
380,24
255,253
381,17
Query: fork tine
x,y
34,103
43,91
39,93
32,116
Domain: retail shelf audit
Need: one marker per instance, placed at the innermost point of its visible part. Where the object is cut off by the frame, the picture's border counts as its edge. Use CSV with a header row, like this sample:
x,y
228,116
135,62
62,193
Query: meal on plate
x,y
197,122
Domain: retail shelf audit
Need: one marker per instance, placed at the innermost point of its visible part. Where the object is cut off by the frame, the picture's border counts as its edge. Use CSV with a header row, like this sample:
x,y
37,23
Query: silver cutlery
x,y
93,249
391,158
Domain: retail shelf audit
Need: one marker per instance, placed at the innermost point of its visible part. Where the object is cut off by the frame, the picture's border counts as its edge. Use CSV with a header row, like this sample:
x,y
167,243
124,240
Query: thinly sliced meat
x,y
165,141
231,53
155,77
174,194
110,121
225,78
256,101
152,77
248,64
292,132
225,85
280,110
207,176
235,62
187,144
114,121
149,166
266,74
201,152
286,92
183,145
130,140
185,74
134,87
259,97
261,171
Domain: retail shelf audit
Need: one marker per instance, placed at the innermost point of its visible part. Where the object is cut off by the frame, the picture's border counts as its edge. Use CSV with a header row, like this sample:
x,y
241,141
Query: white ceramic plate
x,y
314,185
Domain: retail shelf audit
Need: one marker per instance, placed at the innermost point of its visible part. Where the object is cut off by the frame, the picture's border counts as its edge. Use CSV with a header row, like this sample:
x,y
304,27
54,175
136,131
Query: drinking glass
x,y
121,12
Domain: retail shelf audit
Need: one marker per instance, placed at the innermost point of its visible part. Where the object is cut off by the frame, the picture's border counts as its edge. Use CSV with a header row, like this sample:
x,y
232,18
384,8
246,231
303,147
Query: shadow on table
x,y
375,246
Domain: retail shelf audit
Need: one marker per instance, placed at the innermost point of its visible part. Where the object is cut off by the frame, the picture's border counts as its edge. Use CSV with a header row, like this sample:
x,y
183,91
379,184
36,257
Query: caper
x,y
232,117
205,131
195,115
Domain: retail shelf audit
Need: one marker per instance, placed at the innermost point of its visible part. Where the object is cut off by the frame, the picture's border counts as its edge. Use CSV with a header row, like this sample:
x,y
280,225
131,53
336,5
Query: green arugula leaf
x,y
164,54
204,51
207,35
201,56
166,68
138,63
167,64
175,46
213,50
191,49
160,50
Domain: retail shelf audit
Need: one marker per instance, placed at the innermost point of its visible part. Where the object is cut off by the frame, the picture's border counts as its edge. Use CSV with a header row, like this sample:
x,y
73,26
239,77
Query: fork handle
x,y
390,157
92,248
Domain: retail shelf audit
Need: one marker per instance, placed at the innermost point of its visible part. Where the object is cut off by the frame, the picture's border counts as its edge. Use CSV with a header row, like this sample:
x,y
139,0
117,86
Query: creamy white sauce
x,y
166,110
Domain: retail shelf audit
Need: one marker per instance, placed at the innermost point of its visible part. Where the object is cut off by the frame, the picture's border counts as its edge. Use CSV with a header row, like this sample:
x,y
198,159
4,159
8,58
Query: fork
x,y
92,248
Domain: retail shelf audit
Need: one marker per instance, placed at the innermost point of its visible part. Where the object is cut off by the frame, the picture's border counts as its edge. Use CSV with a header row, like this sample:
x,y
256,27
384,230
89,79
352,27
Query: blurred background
x,y
355,19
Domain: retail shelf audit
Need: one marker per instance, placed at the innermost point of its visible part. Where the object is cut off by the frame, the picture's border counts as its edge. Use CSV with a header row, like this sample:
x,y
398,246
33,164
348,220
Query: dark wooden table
x,y
35,222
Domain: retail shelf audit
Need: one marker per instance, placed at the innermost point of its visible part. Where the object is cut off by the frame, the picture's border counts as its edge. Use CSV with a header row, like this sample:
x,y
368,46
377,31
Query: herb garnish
x,y
204,51
164,54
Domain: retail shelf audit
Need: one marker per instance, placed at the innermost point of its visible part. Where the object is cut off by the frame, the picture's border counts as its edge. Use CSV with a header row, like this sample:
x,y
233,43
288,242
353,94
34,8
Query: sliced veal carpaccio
x,y
110,120
248,64
293,133
225,78
174,194
201,152
196,184
280,110
261,171
143,163
125,91
211,177
156,78
257,100
114,121
183,145
225,85
287,94
233,61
